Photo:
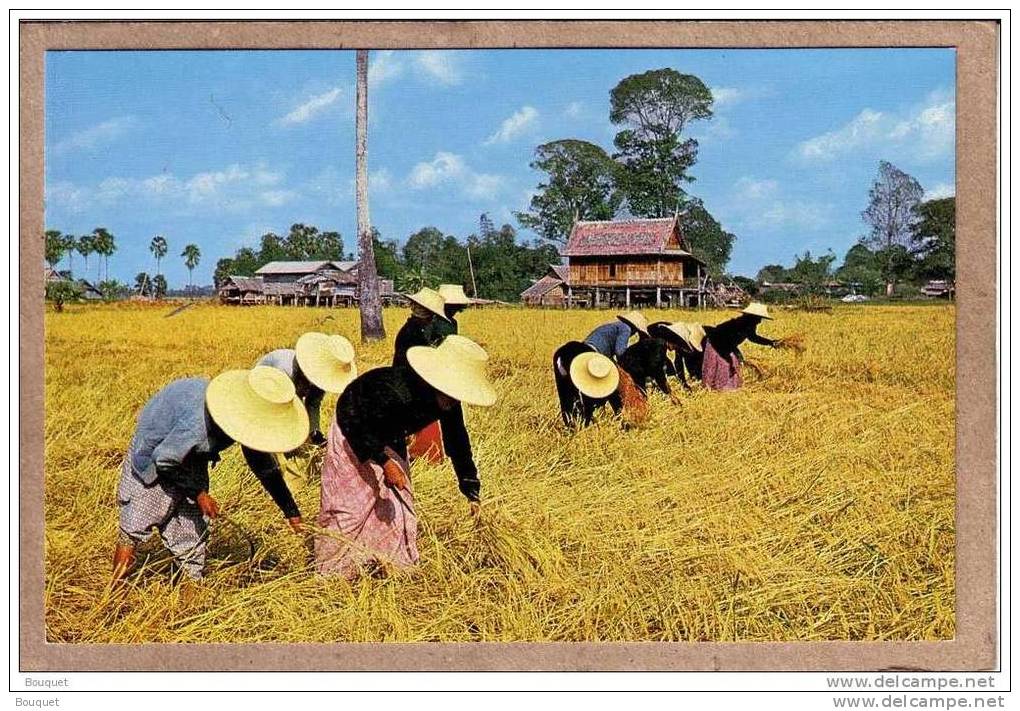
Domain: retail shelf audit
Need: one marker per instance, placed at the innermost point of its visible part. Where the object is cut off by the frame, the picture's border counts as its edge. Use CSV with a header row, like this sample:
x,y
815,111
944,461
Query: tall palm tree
x,y
105,245
158,247
70,244
86,246
192,254
54,247
369,303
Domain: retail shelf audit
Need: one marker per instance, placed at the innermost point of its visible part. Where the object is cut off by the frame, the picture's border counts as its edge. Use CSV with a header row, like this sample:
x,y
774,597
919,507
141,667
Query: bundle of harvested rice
x,y
635,402
793,342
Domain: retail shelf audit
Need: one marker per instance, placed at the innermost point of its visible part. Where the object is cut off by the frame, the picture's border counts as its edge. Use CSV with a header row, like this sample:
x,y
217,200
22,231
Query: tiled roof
x,y
541,287
620,237
561,270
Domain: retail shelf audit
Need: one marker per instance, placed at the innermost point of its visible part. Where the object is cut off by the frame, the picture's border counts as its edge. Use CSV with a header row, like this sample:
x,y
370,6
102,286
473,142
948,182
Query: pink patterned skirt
x,y
720,373
368,525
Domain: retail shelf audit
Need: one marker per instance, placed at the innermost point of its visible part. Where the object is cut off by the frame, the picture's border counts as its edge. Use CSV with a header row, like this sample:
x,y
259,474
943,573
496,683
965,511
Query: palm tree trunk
x,y
370,306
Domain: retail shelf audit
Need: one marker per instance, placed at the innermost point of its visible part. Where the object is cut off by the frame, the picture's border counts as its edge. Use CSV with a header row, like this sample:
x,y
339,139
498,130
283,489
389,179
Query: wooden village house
x,y
300,283
624,263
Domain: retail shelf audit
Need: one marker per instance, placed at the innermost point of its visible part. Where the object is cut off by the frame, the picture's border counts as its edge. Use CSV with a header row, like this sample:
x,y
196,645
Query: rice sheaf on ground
x,y
815,504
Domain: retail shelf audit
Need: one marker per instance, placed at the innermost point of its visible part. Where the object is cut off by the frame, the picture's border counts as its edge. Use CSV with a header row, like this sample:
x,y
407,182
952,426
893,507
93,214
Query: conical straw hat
x,y
635,319
327,361
258,408
757,309
594,375
697,334
456,367
454,294
683,330
429,299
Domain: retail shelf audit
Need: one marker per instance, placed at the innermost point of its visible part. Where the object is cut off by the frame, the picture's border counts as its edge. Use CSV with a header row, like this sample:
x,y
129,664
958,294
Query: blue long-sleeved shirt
x,y
176,439
610,339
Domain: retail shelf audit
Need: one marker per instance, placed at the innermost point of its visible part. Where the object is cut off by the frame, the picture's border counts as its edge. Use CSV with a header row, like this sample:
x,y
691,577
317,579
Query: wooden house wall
x,y
633,271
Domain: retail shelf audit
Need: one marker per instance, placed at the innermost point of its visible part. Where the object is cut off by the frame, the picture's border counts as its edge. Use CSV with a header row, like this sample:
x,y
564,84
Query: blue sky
x,y
217,148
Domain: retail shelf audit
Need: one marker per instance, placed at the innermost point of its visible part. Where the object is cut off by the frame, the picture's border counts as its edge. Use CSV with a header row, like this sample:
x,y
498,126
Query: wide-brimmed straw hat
x,y
456,367
757,309
429,299
594,375
258,408
635,319
454,295
697,334
327,361
682,331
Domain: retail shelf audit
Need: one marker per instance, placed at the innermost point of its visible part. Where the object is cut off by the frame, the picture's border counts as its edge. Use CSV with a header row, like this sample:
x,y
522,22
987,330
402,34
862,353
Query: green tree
x,y
105,245
812,273
159,287
772,274
579,185
224,269
192,254
60,292
305,242
85,246
861,270
653,157
423,253
158,247
70,245
387,257
113,290
143,284
272,248
933,239
706,237
54,248
890,215
504,267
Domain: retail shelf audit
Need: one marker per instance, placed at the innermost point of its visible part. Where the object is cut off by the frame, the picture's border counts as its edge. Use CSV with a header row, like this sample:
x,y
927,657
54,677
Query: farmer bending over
x,y
426,306
164,480
585,381
367,502
611,339
721,367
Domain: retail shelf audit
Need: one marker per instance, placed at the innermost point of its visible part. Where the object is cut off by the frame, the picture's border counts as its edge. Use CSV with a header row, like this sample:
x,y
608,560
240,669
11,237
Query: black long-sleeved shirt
x,y
646,360
728,335
414,332
380,408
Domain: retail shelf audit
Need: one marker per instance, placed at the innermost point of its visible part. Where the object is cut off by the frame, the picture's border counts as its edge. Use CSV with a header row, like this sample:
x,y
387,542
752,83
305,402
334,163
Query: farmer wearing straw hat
x,y
585,381
455,301
426,306
689,358
318,364
611,339
367,509
648,359
428,443
721,365
164,481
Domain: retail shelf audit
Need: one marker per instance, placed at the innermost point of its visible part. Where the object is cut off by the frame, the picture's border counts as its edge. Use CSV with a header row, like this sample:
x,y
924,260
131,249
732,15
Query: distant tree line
x,y
644,177
491,263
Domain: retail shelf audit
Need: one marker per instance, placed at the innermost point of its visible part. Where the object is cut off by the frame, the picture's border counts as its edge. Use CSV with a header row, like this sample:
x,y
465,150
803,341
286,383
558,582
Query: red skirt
x,y
720,373
427,444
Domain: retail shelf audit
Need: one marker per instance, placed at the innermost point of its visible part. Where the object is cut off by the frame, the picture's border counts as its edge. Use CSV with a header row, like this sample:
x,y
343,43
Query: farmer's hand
x,y
475,507
394,474
207,504
295,524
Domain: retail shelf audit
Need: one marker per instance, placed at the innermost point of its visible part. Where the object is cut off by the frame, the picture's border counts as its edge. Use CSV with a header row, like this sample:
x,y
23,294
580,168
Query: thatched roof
x,y
299,267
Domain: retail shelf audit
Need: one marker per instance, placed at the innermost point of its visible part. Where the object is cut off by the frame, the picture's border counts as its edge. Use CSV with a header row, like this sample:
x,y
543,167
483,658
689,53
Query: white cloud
x,y
234,188
311,107
449,169
517,124
443,168
924,132
575,109
727,96
760,204
383,66
95,136
443,67
939,191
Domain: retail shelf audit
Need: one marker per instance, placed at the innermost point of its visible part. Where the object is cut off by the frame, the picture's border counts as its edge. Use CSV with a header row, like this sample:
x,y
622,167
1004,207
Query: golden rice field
x,y
815,504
